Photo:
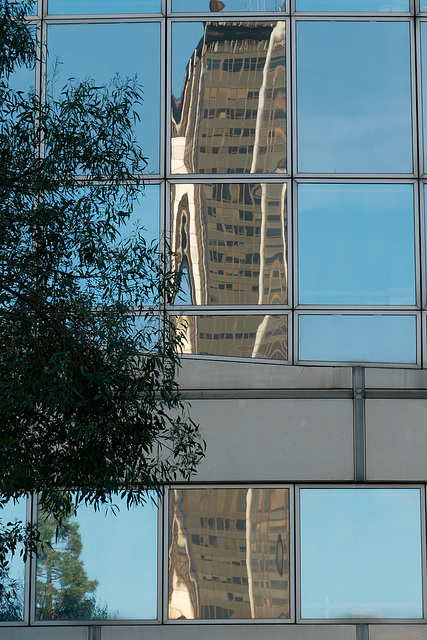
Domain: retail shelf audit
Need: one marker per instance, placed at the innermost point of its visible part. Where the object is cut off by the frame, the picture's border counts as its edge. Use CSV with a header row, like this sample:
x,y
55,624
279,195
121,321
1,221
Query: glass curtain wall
x,y
285,164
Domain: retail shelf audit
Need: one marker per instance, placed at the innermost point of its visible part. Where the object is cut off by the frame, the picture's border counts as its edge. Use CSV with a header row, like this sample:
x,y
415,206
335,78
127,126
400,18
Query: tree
x,y
63,589
89,401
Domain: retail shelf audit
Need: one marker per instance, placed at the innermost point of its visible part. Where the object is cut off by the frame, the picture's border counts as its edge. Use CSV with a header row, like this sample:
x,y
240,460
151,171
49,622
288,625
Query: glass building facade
x,y
286,151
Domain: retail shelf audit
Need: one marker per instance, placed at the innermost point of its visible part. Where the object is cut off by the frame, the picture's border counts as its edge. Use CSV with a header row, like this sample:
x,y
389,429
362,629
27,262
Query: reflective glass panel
x,y
356,244
423,5
12,577
230,241
228,97
423,27
100,51
235,336
228,553
352,5
102,566
215,6
357,338
145,215
354,101
104,6
360,553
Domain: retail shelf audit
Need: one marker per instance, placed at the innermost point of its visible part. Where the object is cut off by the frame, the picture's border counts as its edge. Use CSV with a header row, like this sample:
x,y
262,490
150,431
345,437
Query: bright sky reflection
x,y
357,338
361,553
354,97
352,5
356,244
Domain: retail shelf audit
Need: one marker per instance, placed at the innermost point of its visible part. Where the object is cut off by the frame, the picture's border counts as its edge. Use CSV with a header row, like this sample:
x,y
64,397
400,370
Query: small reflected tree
x,y
63,588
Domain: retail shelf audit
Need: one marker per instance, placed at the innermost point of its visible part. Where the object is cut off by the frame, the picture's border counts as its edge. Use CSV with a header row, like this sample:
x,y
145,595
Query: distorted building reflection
x,y
231,115
229,554
230,242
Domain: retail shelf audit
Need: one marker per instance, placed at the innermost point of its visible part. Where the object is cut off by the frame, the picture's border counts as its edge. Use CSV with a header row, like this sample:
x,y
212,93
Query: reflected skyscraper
x,y
231,115
229,553
230,238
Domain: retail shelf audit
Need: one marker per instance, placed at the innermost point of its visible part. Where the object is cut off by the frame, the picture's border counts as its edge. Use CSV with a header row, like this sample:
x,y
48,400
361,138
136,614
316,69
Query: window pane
x,y
228,5
146,214
236,336
352,5
356,244
353,101
102,566
423,5
228,553
228,97
12,577
360,553
85,50
423,27
230,242
104,6
357,338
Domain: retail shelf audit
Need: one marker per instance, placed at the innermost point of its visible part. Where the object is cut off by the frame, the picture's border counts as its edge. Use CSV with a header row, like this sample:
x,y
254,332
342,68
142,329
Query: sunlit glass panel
x,y
229,554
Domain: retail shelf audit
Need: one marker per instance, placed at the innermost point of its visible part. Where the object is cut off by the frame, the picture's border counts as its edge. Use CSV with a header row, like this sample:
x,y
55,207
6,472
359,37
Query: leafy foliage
x,y
89,402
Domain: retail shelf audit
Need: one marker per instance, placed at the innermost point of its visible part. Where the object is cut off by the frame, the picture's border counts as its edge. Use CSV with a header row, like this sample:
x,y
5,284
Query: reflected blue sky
x,y
185,38
423,5
361,553
356,244
352,5
146,214
99,51
230,5
423,27
121,553
357,338
104,6
353,98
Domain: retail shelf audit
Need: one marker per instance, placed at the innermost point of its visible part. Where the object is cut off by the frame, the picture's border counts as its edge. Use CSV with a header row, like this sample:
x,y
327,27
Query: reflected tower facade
x,y
230,238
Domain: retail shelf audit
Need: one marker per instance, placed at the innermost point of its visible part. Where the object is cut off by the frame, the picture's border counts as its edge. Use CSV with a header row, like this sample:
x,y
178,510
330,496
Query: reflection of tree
x,y
63,589
11,596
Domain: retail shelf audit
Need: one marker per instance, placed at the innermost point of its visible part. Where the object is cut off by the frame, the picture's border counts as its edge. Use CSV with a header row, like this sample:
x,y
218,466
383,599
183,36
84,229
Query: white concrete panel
x,y
397,632
44,633
396,440
213,374
376,378
275,440
232,632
